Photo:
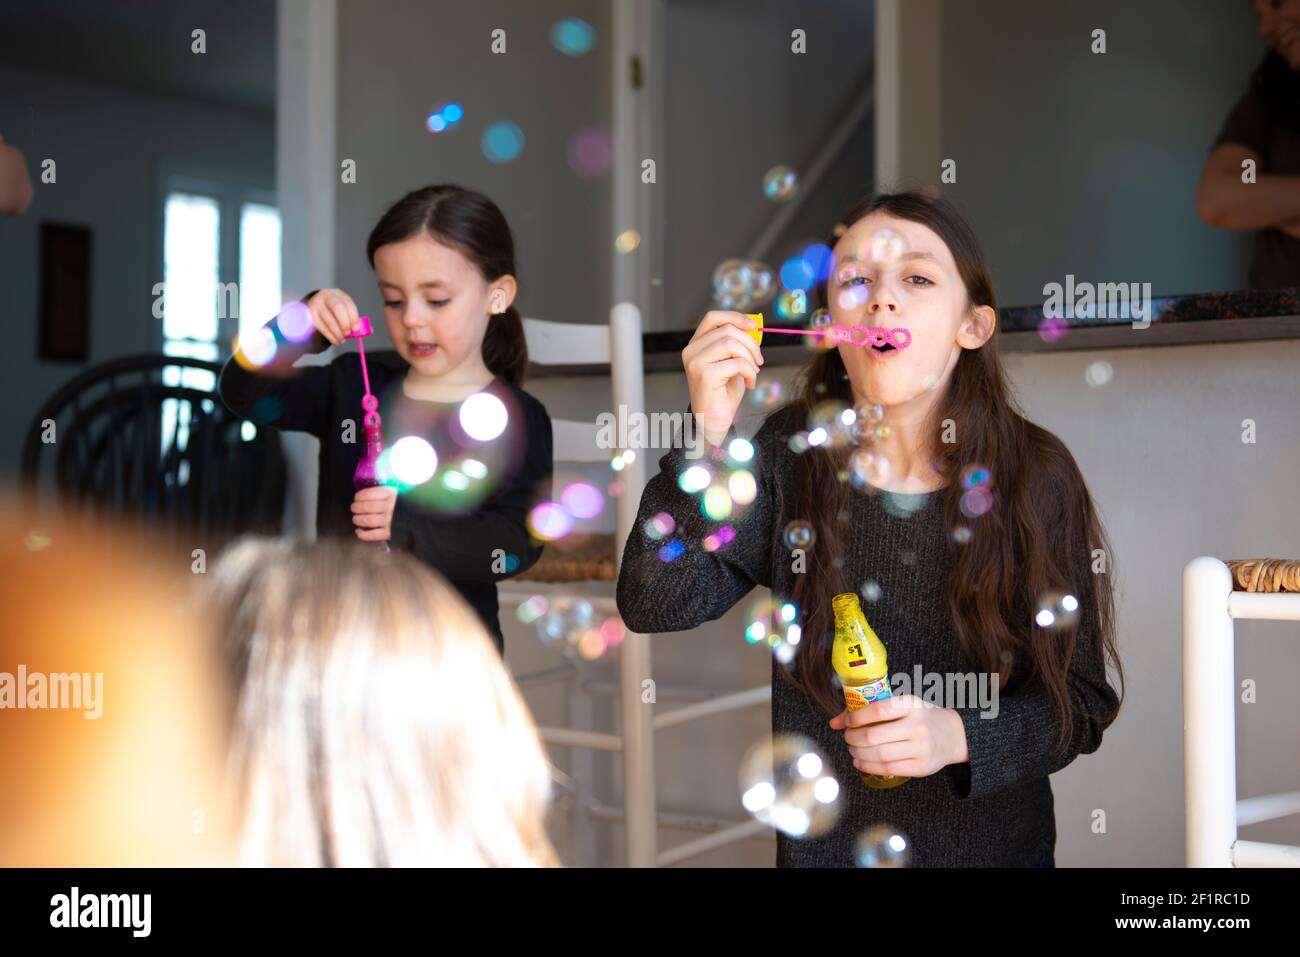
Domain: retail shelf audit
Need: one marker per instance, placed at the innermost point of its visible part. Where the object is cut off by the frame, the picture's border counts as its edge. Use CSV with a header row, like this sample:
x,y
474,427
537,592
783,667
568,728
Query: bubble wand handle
x,y
366,474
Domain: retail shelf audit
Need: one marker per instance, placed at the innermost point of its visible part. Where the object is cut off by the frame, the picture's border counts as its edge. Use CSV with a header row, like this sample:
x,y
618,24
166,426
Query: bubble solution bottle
x,y
858,657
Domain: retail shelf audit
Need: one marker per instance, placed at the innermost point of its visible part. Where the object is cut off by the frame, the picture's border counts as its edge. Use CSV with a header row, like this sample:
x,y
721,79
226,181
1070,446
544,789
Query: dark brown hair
x,y
1038,537
470,222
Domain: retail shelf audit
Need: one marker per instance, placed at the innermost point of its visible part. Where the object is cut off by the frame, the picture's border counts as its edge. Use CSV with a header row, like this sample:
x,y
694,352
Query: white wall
x,y
108,145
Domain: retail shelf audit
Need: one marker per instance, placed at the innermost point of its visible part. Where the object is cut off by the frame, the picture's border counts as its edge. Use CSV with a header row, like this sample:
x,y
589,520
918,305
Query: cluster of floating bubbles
x,y
1057,611
976,497
786,783
742,285
570,624
724,491
774,624
553,520
444,118
780,183
881,846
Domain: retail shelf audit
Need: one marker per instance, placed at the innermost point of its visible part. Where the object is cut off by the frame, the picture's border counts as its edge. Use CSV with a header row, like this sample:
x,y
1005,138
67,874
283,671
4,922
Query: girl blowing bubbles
x,y
444,260
951,582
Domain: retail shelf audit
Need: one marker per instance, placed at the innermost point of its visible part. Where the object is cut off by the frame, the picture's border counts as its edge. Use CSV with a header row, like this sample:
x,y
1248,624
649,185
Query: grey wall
x,y
1074,162
108,144
739,102
416,56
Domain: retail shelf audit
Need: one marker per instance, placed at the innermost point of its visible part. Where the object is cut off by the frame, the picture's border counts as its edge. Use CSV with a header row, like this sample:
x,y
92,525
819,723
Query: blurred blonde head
x,y
374,723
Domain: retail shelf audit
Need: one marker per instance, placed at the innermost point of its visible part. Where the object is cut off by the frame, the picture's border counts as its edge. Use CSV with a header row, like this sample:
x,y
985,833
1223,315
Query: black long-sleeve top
x,y
475,535
996,810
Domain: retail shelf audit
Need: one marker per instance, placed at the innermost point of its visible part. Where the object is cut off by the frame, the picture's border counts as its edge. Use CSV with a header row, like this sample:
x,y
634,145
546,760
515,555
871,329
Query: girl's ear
x,y
501,295
977,327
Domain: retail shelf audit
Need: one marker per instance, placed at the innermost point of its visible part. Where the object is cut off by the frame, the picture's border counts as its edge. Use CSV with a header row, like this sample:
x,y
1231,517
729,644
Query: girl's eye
x,y
437,302
392,303
922,281
852,280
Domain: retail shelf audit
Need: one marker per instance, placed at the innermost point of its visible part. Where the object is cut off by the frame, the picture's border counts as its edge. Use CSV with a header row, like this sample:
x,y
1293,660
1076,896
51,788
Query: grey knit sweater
x,y
996,810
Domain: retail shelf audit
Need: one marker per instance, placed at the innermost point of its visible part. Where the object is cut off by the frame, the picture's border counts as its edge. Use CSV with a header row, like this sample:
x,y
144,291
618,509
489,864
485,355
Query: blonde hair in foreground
x,y
375,723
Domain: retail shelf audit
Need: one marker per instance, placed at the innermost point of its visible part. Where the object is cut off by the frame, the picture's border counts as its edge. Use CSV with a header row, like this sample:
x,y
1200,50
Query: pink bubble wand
x,y
366,474
877,336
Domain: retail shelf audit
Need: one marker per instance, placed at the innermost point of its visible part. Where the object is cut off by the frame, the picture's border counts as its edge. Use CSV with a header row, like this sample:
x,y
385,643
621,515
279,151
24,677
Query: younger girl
x,y
444,258
953,524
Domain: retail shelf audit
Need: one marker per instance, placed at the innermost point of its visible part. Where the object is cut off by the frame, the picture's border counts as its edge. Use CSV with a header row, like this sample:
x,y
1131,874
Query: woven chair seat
x,y
591,559
1265,574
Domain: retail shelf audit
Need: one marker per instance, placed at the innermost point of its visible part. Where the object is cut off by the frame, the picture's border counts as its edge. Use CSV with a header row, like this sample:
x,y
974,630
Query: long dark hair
x,y
470,222
1030,543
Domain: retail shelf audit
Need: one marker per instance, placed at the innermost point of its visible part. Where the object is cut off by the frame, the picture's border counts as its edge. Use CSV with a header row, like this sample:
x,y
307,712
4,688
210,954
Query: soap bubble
x,y
881,846
256,348
853,297
780,183
792,305
1052,328
549,521
1099,374
961,534
742,487
659,526
796,274
775,624
786,782
628,240
1057,610
502,142
799,534
742,285
695,478
564,622
767,395
483,416
887,248
976,501
974,476
582,500
295,322
716,503
817,260
412,460
870,590
868,469
590,152
573,36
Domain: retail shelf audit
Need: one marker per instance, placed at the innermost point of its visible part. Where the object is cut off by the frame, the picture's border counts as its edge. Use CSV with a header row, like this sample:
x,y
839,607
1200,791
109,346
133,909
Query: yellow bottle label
x,y
859,696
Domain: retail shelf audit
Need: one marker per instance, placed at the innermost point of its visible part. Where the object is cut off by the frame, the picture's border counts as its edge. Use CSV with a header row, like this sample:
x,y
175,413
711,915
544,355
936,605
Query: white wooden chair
x,y
1264,589
617,345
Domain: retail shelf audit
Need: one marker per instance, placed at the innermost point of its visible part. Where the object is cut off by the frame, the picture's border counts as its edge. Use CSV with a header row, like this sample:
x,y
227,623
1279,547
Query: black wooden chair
x,y
98,447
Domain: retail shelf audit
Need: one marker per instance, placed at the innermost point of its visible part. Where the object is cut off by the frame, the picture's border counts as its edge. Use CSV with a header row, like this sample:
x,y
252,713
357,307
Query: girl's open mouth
x,y
422,350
